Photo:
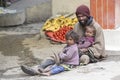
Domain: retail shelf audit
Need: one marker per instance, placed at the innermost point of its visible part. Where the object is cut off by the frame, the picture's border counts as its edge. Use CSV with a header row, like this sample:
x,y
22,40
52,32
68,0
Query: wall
x,y
12,19
27,12
67,6
39,12
117,13
112,40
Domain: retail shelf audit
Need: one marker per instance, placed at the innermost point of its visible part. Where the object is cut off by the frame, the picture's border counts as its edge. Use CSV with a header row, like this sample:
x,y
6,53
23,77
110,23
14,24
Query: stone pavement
x,y
98,71
108,69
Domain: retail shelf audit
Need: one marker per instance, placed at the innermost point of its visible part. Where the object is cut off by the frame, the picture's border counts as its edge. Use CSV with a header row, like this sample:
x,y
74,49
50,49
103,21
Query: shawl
x,y
98,48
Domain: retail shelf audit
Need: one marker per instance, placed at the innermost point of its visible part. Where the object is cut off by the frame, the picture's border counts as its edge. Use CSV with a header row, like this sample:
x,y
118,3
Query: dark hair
x,y
83,9
73,35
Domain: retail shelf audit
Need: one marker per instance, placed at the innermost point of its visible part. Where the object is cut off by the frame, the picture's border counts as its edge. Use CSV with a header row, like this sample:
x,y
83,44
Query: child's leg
x,y
46,69
57,69
49,68
45,64
46,73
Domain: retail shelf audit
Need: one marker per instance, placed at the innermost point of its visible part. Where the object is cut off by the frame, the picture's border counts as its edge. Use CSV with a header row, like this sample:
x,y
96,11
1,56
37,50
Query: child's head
x,y
71,37
90,31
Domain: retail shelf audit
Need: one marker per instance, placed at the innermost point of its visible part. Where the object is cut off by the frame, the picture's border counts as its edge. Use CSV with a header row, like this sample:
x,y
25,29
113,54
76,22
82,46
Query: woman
x,y
97,50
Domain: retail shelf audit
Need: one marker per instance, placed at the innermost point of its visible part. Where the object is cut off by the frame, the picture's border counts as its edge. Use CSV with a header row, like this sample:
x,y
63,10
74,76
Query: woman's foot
x,y
28,70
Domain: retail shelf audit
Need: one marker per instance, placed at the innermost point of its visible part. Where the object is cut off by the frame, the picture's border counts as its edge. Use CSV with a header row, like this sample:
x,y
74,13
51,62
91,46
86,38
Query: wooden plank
x,y
93,8
99,11
105,14
111,14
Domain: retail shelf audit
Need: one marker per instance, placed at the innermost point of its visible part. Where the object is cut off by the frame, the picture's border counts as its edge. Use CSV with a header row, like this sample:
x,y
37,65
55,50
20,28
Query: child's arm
x,y
87,42
67,55
84,45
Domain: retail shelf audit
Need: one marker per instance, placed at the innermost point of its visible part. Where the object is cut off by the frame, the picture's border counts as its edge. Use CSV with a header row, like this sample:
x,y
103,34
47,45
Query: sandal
x,y
28,70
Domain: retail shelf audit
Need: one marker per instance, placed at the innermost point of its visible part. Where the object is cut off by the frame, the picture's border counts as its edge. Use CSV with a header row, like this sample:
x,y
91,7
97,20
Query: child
x,y
86,41
69,56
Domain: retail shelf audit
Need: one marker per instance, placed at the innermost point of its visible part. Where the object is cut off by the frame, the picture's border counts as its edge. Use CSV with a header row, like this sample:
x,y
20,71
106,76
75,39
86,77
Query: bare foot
x,y
45,74
41,70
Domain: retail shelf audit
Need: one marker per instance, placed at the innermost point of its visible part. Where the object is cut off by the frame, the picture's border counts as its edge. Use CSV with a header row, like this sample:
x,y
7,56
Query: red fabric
x,y
58,36
49,34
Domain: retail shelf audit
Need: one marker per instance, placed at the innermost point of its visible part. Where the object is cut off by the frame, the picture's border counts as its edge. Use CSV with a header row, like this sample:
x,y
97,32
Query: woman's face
x,y
70,41
82,19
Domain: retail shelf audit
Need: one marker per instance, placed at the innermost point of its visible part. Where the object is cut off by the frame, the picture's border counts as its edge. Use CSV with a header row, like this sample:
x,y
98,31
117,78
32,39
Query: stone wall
x,y
39,12
67,6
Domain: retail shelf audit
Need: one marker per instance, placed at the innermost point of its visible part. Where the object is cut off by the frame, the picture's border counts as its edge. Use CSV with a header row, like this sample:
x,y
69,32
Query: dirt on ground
x,y
24,45
27,45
